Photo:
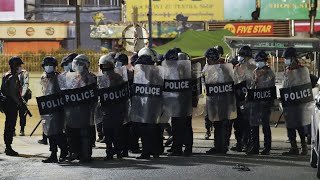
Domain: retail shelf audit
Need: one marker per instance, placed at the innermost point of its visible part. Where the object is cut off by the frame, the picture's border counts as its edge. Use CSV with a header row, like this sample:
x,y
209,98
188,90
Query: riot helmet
x,y
290,55
261,56
49,64
148,51
121,59
261,59
49,61
245,51
15,61
212,55
220,50
80,63
183,56
145,59
106,63
171,54
68,59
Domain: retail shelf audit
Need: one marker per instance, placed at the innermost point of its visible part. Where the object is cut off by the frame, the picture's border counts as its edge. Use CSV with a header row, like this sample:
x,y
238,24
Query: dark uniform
x,y
260,111
243,75
26,94
11,88
220,104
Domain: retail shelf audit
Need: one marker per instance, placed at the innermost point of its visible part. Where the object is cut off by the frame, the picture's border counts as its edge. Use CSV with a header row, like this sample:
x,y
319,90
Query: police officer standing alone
x,y
11,88
261,94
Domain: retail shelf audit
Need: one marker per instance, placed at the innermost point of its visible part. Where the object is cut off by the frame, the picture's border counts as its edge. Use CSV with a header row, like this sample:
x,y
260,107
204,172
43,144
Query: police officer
x,y
80,117
297,115
130,136
115,110
146,102
53,123
208,123
26,94
243,73
220,101
178,101
260,109
11,88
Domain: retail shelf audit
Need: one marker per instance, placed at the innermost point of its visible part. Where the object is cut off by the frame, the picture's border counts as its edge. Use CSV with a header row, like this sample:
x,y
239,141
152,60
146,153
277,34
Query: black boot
x,y
238,147
293,150
10,152
63,155
267,140
144,156
109,157
125,153
254,141
304,147
44,139
52,159
73,156
207,135
22,131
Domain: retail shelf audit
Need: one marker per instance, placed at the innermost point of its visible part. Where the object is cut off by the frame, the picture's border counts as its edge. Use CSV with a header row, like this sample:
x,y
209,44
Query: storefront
x,y
252,28
30,36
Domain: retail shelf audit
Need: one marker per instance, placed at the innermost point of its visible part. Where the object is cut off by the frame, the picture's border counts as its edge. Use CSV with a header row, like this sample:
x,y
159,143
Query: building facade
x,y
60,10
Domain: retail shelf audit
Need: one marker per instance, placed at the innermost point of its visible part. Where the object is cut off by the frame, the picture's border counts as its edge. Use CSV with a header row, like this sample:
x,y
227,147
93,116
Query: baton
x,y
278,120
35,128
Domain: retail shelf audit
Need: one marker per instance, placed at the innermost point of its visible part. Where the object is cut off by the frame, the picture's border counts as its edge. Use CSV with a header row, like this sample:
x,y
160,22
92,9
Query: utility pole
x,y
78,34
150,23
312,15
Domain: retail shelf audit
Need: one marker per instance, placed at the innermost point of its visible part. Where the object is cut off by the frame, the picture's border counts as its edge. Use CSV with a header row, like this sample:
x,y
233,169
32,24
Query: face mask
x,y
66,68
19,69
240,59
78,69
260,64
48,69
287,62
118,64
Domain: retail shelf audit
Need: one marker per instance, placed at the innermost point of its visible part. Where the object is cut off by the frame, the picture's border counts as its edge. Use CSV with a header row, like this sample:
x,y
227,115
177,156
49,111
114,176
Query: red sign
x,y
304,26
6,5
252,29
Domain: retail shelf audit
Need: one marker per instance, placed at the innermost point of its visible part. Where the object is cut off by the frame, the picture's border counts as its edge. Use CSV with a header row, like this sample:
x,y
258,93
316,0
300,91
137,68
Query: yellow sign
x,y
34,30
167,10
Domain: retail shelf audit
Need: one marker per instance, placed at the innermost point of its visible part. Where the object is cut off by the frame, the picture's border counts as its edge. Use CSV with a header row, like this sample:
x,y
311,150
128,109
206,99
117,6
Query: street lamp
x,y
312,14
150,23
77,3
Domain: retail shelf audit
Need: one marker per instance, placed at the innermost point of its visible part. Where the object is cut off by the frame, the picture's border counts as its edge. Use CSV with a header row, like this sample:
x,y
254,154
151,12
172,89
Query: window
x,y
54,2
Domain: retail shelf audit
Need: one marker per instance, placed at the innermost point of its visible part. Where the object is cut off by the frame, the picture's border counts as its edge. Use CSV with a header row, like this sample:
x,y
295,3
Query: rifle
x,y
24,103
278,120
35,128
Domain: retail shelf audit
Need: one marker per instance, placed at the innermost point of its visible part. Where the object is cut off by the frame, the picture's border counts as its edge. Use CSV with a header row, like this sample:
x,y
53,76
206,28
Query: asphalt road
x,y
199,166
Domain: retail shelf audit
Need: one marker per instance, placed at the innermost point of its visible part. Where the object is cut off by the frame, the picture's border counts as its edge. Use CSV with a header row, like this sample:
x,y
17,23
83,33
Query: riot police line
x,y
132,101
